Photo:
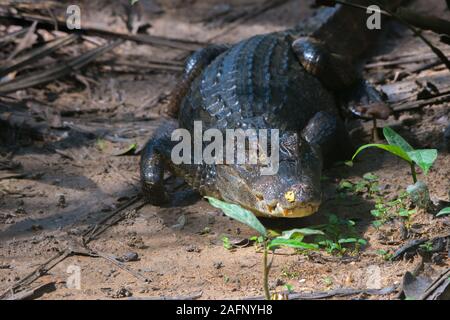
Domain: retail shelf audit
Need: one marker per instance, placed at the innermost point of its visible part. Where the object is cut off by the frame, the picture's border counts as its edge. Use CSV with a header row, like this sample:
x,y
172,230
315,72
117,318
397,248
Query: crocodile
x,y
298,81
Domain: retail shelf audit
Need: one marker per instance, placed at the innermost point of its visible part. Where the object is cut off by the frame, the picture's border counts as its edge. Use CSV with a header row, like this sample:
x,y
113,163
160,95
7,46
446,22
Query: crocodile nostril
x,y
259,197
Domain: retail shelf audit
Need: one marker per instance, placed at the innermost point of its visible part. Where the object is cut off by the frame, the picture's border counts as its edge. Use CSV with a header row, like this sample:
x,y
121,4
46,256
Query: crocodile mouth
x,y
299,210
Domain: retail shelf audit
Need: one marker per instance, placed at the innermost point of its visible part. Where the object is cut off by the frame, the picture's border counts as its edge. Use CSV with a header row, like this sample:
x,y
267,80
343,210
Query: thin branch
x,y
417,32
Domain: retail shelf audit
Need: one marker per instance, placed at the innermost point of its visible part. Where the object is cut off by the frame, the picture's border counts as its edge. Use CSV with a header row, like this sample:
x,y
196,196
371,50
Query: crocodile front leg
x,y
363,100
158,156
337,74
154,162
334,71
327,131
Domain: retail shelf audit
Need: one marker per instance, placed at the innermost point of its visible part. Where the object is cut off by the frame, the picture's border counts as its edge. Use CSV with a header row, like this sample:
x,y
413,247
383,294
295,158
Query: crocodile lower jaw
x,y
279,212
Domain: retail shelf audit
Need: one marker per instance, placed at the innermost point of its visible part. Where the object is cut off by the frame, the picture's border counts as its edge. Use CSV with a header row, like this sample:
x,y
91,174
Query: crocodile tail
x,y
344,29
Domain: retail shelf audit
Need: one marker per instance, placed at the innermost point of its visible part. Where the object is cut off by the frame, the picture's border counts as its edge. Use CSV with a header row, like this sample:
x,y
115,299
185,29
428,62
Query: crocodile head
x,y
293,192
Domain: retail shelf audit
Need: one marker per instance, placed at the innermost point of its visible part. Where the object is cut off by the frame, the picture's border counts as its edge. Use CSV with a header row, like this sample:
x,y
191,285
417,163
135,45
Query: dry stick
x,y
135,203
8,37
26,41
37,273
60,70
425,22
442,277
168,66
36,54
267,5
421,103
48,24
417,32
405,60
23,295
190,297
121,265
338,292
52,262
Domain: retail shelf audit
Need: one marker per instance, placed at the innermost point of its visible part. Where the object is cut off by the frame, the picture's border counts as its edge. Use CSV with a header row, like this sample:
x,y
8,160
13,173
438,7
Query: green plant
x,y
328,281
386,255
368,184
398,146
289,288
337,235
427,246
386,211
443,212
292,238
226,243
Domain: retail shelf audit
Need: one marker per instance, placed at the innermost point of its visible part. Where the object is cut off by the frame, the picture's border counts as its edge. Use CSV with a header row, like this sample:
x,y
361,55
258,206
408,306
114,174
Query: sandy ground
x,y
72,184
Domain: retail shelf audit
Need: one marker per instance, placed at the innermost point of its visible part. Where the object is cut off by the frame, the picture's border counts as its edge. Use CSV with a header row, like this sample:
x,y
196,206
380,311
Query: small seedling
x,y
289,274
368,184
338,235
387,211
386,255
289,288
398,146
328,281
226,243
292,239
427,246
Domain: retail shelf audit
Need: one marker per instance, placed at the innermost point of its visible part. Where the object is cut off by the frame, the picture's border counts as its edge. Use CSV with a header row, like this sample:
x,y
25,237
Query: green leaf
x,y
299,234
370,177
394,139
377,223
226,243
291,243
423,158
349,240
129,150
344,184
362,242
375,213
443,212
240,214
396,150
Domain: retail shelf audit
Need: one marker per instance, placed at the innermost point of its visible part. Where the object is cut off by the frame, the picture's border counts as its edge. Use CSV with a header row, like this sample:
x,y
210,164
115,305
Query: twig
x,y
46,23
15,64
333,293
134,203
190,297
26,41
58,71
52,262
29,294
121,265
417,32
442,277
425,22
264,7
37,273
421,103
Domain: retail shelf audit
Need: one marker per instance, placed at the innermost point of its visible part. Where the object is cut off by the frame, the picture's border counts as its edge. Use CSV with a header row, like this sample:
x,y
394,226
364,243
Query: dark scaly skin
x,y
264,82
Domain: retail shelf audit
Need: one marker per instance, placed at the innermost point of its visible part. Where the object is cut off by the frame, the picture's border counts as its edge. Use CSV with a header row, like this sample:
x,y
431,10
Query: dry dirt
x,y
69,185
